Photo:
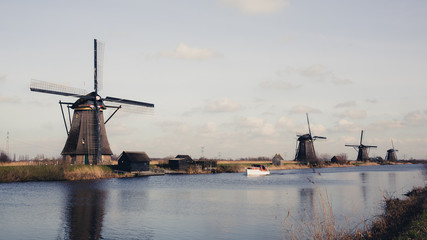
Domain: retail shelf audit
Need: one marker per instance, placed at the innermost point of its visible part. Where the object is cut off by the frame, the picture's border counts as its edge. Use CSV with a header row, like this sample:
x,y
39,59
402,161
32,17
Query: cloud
x,y
209,129
304,109
8,99
223,105
183,51
344,125
257,7
415,118
287,40
371,100
278,85
318,73
387,124
253,126
285,122
346,104
174,127
3,77
354,114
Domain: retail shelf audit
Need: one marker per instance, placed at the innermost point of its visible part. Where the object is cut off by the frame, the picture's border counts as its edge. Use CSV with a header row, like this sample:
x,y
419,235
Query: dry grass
x,y
317,225
84,172
53,173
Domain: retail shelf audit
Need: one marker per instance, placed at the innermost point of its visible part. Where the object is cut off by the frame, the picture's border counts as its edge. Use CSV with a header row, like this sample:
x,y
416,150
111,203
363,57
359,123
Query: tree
x,y
4,157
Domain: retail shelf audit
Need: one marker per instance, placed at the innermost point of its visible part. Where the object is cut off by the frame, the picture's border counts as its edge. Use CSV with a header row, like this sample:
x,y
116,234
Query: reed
x,y
31,173
54,173
85,172
318,224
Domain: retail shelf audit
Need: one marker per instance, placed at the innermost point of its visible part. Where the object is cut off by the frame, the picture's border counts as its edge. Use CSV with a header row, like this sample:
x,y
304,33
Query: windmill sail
x,y
99,64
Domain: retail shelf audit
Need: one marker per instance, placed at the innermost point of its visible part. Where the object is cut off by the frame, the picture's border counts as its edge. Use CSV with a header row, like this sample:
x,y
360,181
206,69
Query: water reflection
x,y
84,211
363,183
307,201
392,180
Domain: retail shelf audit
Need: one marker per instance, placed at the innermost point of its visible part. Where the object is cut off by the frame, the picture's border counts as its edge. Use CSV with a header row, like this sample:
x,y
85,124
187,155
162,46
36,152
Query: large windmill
x,y
305,151
87,138
391,153
362,150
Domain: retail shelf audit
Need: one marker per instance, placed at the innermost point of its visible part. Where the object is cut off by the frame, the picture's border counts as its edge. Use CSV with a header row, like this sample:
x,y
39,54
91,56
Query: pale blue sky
x,y
234,76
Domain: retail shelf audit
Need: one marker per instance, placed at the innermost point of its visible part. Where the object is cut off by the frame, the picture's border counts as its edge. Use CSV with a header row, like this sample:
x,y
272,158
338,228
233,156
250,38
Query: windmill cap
x,y
88,102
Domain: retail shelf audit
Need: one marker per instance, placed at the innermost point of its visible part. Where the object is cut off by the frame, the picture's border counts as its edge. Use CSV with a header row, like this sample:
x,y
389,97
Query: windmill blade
x,y
99,64
370,146
52,88
361,137
308,123
319,137
352,145
128,102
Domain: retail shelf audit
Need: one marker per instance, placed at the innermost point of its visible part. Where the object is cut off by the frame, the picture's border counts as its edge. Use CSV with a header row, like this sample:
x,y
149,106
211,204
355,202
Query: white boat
x,y
257,170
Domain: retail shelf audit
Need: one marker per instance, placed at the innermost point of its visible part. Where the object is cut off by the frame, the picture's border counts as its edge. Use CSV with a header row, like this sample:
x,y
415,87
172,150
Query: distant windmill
x,y
87,138
362,150
305,151
391,153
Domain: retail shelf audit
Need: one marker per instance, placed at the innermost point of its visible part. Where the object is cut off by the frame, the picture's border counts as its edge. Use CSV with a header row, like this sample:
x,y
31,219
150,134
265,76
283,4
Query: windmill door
x,y
86,159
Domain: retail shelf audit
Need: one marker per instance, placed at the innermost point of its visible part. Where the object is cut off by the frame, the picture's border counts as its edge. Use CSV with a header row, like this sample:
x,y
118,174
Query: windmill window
x,y
83,141
77,115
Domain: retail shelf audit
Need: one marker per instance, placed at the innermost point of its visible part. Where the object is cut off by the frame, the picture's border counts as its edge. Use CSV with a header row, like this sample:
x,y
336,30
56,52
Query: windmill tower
x,y
87,141
391,154
362,150
305,150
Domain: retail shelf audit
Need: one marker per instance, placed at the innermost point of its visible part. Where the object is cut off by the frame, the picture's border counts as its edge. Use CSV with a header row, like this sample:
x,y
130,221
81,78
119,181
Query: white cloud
x,y
209,129
257,7
387,124
223,105
285,122
344,125
175,127
319,73
3,77
354,114
278,85
346,104
415,118
9,99
253,126
371,100
304,109
286,40
183,51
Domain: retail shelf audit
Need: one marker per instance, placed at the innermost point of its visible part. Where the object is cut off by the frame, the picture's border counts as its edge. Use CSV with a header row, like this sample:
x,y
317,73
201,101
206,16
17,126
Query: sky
x,y
229,78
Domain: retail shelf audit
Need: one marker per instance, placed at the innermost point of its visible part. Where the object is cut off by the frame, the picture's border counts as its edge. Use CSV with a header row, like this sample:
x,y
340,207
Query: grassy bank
x,y
53,173
402,219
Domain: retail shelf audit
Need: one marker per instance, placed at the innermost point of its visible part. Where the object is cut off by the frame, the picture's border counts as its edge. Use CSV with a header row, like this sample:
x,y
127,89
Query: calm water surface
x,y
214,206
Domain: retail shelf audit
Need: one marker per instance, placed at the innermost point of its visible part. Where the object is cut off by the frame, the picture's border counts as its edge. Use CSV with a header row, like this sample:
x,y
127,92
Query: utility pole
x,y
202,148
7,144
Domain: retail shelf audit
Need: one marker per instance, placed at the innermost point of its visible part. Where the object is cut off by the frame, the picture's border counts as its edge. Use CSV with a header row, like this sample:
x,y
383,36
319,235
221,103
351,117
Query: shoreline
x,y
60,172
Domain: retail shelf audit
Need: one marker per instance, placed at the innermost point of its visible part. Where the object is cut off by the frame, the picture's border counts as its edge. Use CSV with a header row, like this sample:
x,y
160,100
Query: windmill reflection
x,y
307,201
364,182
84,211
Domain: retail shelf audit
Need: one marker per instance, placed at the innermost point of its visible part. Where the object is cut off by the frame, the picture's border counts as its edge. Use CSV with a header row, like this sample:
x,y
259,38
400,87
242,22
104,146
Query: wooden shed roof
x,y
135,156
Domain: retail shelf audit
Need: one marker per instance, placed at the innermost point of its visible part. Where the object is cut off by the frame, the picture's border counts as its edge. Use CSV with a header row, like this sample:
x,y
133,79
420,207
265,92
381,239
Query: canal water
x,y
211,206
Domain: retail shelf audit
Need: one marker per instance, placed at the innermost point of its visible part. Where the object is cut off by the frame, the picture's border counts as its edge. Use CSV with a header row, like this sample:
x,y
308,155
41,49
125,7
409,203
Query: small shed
x,y
180,162
133,161
277,160
207,164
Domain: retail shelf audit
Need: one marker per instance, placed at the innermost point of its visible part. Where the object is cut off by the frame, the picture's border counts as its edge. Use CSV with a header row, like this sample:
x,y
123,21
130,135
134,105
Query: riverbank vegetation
x,y
402,218
54,173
